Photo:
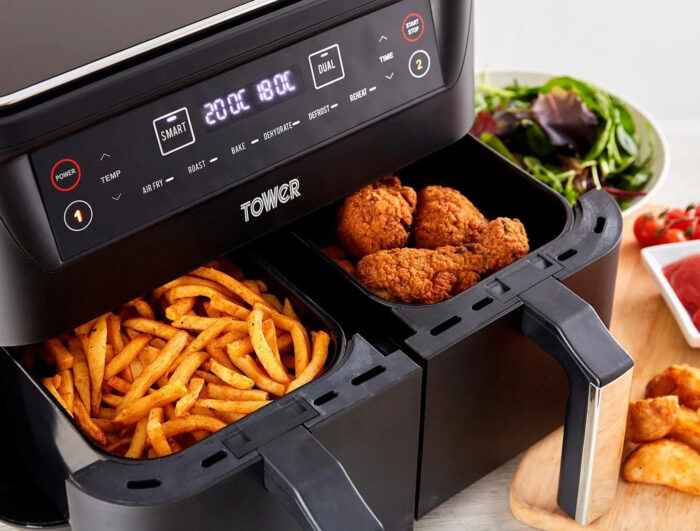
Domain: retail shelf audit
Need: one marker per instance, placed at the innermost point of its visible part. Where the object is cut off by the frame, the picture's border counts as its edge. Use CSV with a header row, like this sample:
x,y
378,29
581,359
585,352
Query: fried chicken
x,y
457,244
427,276
446,217
420,276
503,242
377,217
338,256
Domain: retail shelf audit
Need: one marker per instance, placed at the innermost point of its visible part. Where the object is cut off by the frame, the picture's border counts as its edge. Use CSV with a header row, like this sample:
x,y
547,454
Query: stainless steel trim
x,y
128,53
606,415
587,458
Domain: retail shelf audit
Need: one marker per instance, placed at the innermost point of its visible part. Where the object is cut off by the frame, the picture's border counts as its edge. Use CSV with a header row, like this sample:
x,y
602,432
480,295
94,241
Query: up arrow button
x,y
105,156
383,38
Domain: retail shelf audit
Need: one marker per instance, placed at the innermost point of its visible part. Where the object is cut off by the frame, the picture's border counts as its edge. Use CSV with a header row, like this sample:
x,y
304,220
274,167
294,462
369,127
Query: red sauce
x,y
684,277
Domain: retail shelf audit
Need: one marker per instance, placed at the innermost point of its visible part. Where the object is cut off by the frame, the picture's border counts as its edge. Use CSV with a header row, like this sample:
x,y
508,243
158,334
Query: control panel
x,y
118,176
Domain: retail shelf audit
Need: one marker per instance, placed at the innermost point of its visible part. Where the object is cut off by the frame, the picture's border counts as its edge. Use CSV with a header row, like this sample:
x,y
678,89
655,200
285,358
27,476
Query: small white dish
x,y
655,259
661,161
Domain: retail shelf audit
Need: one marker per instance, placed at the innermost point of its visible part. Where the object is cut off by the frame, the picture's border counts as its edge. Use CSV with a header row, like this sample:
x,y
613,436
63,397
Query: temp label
x,y
271,199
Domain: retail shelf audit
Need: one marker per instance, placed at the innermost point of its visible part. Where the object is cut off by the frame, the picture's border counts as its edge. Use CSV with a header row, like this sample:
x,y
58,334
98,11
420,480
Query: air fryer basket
x,y
483,331
57,462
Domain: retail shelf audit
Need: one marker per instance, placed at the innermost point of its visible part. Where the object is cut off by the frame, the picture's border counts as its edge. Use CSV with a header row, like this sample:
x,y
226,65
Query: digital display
x,y
252,98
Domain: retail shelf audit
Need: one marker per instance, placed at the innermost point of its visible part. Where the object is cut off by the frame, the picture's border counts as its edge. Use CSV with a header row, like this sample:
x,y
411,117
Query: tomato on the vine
x,y
672,236
647,228
693,233
682,219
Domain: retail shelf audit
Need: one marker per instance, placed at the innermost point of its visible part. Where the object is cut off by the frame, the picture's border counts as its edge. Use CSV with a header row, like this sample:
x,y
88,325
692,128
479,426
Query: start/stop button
x,y
413,27
65,175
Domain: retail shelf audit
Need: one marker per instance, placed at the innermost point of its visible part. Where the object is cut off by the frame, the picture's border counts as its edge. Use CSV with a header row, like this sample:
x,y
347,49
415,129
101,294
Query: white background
x,y
646,51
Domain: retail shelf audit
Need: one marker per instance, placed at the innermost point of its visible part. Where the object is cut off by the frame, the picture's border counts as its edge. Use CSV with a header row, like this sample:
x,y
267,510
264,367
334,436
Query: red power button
x,y
413,27
65,175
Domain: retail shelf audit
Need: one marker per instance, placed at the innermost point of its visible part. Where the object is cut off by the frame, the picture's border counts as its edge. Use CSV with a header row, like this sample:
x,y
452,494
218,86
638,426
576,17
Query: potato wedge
x,y
687,428
665,462
680,380
651,418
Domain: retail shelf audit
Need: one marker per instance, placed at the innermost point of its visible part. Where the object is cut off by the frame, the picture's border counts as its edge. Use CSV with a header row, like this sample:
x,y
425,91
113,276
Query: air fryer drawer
x,y
489,391
362,395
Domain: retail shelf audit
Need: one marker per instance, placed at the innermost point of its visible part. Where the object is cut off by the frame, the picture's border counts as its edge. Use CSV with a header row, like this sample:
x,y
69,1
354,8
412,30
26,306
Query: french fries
x,y
138,409
166,370
232,378
267,357
188,401
224,392
243,406
96,354
81,373
82,417
139,439
155,370
191,423
156,437
251,369
63,358
315,366
125,356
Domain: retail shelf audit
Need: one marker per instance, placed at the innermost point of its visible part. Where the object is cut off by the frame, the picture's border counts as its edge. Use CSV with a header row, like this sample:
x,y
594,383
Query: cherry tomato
x,y
646,228
682,219
672,236
693,233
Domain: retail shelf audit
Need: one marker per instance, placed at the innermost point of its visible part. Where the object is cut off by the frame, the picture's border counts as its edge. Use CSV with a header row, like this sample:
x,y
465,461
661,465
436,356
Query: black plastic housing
x,y
362,396
235,475
38,286
489,392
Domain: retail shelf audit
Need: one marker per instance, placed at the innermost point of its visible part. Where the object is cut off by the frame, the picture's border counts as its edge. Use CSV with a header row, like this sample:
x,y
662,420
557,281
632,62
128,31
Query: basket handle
x,y
313,486
600,378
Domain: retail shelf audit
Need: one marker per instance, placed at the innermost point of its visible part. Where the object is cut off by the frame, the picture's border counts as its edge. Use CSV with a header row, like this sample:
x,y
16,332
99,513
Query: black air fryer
x,y
507,360
137,145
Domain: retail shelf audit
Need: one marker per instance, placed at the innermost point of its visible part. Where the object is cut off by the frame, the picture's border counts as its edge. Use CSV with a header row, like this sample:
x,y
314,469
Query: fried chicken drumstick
x,y
446,217
420,276
427,276
377,217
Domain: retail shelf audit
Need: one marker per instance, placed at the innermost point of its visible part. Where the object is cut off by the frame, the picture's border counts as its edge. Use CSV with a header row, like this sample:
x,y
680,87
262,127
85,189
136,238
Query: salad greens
x,y
567,133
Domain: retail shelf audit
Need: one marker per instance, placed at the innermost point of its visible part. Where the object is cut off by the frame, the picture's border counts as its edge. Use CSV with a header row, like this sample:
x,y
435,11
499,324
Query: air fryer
x,y
507,360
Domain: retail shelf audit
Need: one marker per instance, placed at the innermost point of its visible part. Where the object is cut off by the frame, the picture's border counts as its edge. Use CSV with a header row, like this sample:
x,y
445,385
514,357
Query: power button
x,y
65,175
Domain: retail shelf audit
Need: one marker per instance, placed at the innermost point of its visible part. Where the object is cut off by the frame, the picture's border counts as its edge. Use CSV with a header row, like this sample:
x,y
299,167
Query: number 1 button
x,y
419,64
77,216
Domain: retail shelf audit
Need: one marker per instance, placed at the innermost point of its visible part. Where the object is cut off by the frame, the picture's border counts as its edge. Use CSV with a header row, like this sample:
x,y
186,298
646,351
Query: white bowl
x,y
655,259
661,161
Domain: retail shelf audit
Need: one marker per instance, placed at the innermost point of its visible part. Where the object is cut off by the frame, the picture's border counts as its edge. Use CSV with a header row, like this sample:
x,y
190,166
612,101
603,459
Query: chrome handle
x,y
600,378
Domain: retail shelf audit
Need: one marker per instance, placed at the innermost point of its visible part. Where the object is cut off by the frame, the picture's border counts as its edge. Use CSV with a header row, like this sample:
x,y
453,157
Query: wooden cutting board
x,y
645,327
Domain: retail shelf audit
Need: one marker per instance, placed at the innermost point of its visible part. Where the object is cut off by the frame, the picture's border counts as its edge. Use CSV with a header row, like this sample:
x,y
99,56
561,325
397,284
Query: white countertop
x,y
484,505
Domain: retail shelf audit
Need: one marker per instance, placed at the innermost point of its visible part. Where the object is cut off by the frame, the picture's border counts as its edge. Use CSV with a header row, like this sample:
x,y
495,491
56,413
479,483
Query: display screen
x,y
247,100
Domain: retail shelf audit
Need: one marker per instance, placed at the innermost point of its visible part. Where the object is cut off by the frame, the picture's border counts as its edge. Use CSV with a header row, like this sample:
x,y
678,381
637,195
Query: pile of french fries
x,y
667,426
165,371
